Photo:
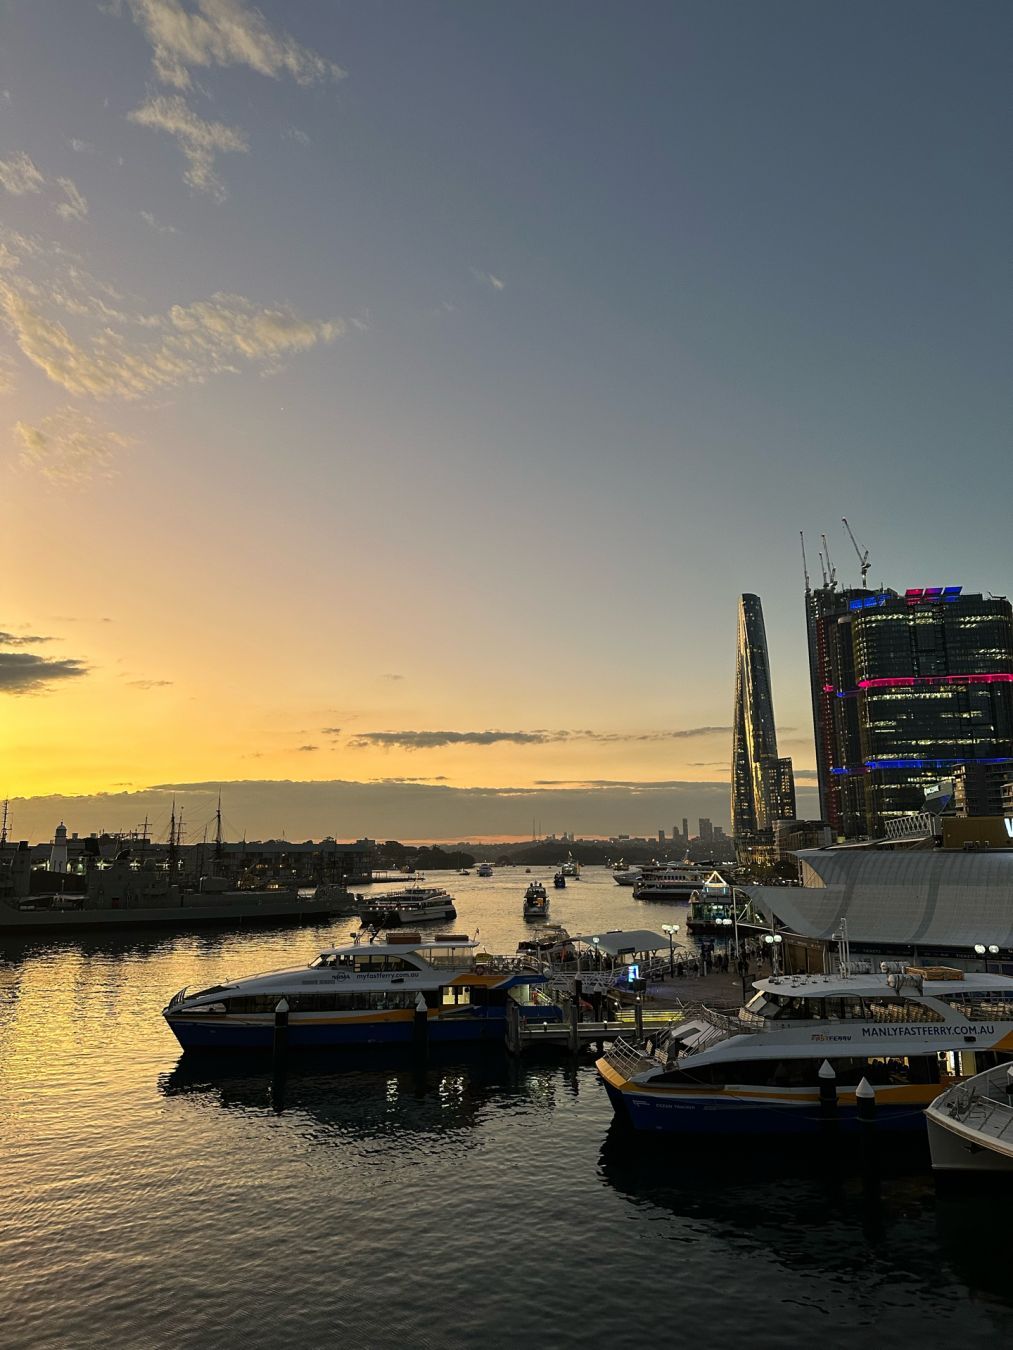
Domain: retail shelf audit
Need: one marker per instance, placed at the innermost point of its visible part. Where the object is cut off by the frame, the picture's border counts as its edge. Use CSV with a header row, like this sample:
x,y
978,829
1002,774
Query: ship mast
x,y
3,826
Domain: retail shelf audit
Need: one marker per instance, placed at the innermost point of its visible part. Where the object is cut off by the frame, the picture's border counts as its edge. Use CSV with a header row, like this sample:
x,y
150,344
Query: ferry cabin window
x,y
793,1073
365,1000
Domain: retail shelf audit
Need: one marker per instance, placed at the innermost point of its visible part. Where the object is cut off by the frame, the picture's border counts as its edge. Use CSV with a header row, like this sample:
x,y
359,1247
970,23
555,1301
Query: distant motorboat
x,y
484,870
536,901
559,881
571,868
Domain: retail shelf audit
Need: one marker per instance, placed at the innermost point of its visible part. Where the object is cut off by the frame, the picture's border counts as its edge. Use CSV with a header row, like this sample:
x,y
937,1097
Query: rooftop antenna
x,y
831,569
805,565
3,825
863,554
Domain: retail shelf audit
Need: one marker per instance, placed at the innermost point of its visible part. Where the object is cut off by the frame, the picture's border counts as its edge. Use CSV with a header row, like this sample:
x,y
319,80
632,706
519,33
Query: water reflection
x,y
367,1095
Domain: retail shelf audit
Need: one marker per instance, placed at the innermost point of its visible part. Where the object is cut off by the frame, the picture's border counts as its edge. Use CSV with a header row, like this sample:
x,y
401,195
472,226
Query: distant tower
x,y
685,830
58,853
762,786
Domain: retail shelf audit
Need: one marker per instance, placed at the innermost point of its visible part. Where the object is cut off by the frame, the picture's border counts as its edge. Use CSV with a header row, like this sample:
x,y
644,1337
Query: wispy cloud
x,y
158,225
76,205
22,639
223,33
149,684
81,147
296,134
429,740
68,448
21,176
199,141
26,673
488,279
307,749
194,341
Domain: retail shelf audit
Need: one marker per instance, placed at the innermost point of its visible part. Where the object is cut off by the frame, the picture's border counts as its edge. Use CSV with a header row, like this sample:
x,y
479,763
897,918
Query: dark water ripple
x,y
152,1201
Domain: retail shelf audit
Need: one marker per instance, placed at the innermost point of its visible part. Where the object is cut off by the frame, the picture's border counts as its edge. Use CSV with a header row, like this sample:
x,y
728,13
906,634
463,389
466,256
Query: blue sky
x,y
497,347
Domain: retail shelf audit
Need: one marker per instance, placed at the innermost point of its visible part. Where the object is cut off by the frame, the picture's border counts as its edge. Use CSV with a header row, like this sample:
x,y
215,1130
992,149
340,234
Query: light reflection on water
x,y
150,1198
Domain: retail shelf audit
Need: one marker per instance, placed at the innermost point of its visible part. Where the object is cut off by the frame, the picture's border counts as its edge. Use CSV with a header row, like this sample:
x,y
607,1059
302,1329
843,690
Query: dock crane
x,y
863,554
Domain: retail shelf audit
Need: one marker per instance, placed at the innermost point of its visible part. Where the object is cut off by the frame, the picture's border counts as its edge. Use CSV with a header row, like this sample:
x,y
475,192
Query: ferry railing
x,y
627,1059
178,997
981,1111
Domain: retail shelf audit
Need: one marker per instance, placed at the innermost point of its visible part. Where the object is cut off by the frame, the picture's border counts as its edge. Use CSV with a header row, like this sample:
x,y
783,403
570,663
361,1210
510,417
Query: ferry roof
x,y
408,945
836,986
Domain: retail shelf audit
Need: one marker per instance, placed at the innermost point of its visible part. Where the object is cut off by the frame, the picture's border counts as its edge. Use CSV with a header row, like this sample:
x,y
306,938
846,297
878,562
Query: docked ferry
x,y
908,1033
674,882
367,993
412,905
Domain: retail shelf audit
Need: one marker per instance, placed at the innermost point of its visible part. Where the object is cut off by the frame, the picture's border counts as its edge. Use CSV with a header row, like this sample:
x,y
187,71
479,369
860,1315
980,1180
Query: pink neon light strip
x,y
906,681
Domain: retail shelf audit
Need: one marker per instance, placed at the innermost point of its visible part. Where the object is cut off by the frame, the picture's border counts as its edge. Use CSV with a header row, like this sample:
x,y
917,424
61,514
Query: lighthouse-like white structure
x,y
58,853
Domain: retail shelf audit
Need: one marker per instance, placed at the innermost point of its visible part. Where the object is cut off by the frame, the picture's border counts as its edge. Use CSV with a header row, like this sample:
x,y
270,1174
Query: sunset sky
x,y
401,393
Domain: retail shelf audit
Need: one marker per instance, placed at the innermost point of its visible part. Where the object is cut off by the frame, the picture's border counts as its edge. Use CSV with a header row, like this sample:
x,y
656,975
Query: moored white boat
x,y
367,993
483,870
757,1072
673,881
970,1125
412,905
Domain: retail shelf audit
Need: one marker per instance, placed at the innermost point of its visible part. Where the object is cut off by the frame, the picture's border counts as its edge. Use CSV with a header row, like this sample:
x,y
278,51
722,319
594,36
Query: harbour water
x,y
152,1201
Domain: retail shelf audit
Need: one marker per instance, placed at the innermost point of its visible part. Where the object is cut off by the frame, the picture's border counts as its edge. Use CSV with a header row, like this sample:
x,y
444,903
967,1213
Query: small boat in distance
x,y
559,881
484,870
412,905
536,901
571,868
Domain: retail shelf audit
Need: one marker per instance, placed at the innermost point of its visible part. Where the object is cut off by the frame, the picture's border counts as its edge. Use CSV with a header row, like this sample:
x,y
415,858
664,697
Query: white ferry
x,y
676,882
571,868
367,993
624,875
412,905
906,1032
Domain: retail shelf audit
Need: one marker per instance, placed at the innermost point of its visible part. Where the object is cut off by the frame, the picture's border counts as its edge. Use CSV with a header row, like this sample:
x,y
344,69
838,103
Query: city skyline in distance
x,y
360,432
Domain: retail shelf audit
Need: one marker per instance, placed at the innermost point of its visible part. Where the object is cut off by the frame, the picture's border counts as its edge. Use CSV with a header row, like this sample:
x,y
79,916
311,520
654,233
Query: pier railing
x,y
627,1058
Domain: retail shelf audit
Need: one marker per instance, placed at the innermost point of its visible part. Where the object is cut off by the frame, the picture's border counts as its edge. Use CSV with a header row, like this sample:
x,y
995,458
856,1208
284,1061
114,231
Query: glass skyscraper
x,y
905,688
763,788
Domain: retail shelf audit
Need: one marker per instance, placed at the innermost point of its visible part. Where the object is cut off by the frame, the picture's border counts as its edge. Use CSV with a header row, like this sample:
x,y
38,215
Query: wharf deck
x,y
526,1034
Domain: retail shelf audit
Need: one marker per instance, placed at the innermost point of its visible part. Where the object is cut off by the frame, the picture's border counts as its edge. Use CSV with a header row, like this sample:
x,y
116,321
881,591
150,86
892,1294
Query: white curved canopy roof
x,y
904,897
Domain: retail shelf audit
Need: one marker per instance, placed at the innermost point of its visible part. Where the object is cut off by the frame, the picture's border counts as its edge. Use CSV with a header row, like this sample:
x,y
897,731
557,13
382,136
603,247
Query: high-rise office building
x,y
763,787
685,830
905,688
706,829
661,836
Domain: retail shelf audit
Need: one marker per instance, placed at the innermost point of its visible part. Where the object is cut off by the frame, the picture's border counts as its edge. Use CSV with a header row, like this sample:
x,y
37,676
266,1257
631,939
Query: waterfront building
x,y
905,688
763,788
978,788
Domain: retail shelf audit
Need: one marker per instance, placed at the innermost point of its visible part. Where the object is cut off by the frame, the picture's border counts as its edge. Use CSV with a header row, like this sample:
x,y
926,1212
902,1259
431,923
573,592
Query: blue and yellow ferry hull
x,y
210,1031
727,1112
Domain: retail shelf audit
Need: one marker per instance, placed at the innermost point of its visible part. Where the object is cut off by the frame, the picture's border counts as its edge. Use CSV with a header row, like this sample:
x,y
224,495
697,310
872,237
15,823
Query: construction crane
x,y
863,554
831,579
805,565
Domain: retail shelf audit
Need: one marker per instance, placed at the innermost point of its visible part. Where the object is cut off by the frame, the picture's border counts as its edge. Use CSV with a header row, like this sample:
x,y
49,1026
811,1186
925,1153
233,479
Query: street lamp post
x,y
986,950
671,929
773,941
597,952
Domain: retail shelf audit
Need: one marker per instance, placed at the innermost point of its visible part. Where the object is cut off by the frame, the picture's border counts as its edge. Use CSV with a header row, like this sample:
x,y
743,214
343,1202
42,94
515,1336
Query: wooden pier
x,y
574,1035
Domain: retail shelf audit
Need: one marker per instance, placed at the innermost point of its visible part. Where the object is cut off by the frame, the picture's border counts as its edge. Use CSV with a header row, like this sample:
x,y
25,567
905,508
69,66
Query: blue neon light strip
x,y
930,763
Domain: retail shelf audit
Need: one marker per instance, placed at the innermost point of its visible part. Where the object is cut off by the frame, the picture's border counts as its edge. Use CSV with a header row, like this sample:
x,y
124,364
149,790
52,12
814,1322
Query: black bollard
x,y
638,1013
420,1030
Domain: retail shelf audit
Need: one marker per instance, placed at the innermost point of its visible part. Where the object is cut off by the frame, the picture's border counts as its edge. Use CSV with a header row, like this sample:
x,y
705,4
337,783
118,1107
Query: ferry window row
x,y
329,1001
790,1073
353,961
